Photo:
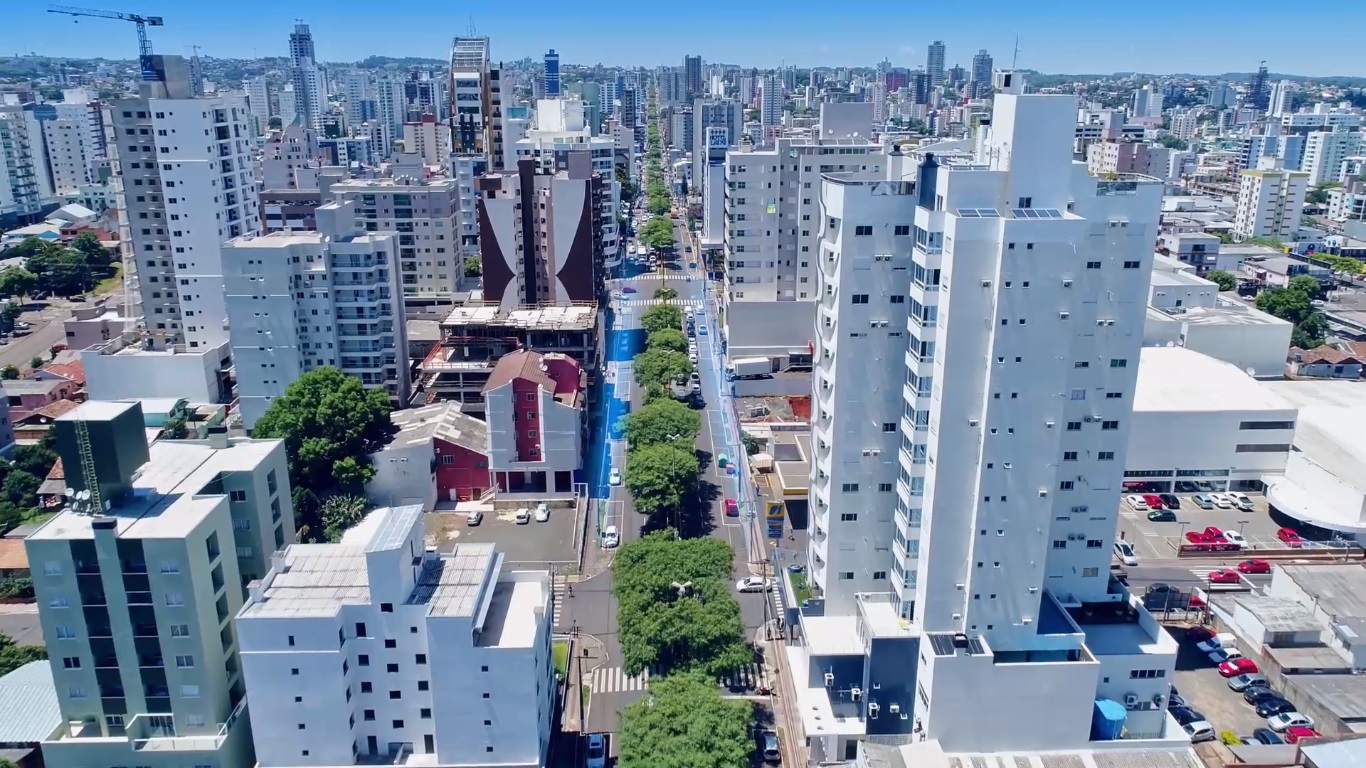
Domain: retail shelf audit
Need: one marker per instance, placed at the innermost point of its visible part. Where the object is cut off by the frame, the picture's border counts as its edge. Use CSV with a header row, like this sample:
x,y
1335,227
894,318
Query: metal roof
x,y
28,704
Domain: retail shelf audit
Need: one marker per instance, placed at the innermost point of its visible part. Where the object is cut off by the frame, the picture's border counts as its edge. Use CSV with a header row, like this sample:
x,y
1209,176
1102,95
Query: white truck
x,y
749,368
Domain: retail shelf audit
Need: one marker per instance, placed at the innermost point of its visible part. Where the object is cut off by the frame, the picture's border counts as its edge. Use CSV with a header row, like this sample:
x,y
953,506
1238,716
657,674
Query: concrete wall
x,y
768,327
1177,440
192,375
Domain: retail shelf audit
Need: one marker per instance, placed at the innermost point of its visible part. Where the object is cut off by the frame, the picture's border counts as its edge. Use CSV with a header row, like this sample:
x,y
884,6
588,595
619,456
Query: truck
x,y
749,368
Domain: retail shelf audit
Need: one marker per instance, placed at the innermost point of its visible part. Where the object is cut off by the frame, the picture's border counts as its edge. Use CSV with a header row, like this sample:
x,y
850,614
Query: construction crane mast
x,y
143,22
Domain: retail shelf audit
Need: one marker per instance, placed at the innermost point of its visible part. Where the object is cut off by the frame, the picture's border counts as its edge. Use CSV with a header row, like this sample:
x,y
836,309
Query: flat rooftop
x,y
512,617
1122,639
1278,614
1331,426
575,316
1339,590
164,503
1343,695
1180,379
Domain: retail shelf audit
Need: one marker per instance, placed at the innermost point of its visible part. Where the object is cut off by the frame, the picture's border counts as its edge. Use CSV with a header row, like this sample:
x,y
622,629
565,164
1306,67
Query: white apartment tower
x,y
310,84
300,300
934,63
379,649
23,180
69,147
980,485
1324,152
1270,202
772,98
260,95
188,187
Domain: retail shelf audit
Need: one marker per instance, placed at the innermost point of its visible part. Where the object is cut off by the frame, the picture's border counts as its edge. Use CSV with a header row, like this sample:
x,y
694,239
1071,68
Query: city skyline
x,y
1066,37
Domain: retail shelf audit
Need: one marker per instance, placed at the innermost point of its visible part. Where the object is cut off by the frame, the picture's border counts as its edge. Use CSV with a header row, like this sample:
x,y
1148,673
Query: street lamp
x,y
1241,523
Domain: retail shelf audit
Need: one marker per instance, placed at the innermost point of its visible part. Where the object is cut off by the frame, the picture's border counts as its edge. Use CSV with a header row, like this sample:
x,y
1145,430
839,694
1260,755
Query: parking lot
x,y
1200,684
528,545
1161,539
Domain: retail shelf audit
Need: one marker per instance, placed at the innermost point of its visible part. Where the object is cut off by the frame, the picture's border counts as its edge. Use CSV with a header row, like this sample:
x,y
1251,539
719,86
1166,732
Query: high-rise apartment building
x,y
541,232
310,85
963,508
1324,152
262,102
434,659
934,63
298,301
552,74
476,98
23,179
138,580
1147,102
980,82
1270,202
360,101
692,77
428,139
68,146
187,187
772,99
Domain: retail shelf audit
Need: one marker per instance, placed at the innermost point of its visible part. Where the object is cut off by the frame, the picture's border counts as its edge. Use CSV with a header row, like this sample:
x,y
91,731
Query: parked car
x,y
692,356
1216,642
1175,700
597,750
1199,731
1233,537
523,516
1125,552
1170,500
1162,516
1222,501
1280,722
1225,576
610,537
1137,503
1202,501
1214,532
1184,715
1294,733
732,508
474,517
1238,666
1257,695
1254,566
1290,537
1225,654
1153,501
1266,736
753,584
768,747
1276,706
542,513
1239,683
614,477
1242,500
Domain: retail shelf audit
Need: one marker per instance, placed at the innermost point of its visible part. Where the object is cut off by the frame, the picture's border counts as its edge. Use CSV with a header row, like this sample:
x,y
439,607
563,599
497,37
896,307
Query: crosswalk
x,y
670,275
657,302
558,604
615,679
1140,524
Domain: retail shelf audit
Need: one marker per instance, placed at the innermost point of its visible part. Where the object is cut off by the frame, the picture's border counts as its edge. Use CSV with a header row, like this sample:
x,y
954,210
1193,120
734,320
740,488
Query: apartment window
x,y
1266,425
1094,543
1119,363
1131,265
1090,572
420,658
1106,456
848,517
1262,448
71,662
369,715
58,602
390,643
846,575
395,694
360,629
1081,364
367,687
1093,265
1069,456
879,575
363,660
422,685
184,661
1074,426
425,713
391,668
398,723
175,598
888,426
237,495
863,230
1109,425
1114,395
1060,544
189,691
1146,674
1066,485
884,487
65,632
902,229
183,630
859,298
849,488
76,692
1078,394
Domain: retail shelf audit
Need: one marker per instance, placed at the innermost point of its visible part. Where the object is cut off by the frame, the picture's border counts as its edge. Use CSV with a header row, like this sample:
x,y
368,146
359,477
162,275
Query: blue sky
x,y
1055,35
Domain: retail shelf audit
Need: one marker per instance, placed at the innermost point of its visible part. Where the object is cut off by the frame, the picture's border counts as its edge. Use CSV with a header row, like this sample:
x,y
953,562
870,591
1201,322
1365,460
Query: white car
x,y
542,513
1125,552
753,584
1215,643
1233,537
474,517
614,477
1285,720
1199,731
1242,500
610,537
1137,502
1222,501
692,357
1225,654
523,516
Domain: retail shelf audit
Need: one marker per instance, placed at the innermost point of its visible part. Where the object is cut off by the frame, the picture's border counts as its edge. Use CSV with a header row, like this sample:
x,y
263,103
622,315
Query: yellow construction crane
x,y
143,22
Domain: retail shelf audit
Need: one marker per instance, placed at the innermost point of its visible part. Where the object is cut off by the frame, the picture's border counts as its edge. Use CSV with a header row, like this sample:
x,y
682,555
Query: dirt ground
x,y
777,409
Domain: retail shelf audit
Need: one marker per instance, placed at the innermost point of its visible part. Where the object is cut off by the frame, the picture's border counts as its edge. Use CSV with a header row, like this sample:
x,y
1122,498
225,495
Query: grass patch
x,y
37,516
800,587
112,283
561,651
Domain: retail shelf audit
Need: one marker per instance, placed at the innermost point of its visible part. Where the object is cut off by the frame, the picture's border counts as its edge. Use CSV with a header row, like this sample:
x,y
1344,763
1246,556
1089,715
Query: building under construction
x,y
475,335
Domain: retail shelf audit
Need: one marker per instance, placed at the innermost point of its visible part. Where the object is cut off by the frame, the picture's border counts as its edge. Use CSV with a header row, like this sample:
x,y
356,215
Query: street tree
x,y
21,488
658,233
661,421
35,363
26,249
17,281
660,477
1307,285
61,271
1223,278
661,316
665,294
1285,303
87,244
686,723
659,367
667,339
9,372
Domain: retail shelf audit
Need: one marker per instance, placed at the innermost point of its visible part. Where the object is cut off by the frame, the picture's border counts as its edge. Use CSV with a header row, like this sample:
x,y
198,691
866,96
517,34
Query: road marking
x,y
615,679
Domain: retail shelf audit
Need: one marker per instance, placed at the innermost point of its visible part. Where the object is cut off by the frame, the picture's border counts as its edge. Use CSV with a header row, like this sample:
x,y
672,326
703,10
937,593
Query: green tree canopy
x,y
662,421
658,233
473,266
339,513
661,316
667,339
660,477
17,281
9,372
659,367
21,488
686,723
665,294
1345,264
26,249
1223,278
1307,285
1168,140
61,271
13,656
87,244
36,459
1295,303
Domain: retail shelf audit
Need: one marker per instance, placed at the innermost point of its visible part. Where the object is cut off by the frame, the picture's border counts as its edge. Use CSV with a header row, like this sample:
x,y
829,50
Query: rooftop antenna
x,y
1015,58
472,32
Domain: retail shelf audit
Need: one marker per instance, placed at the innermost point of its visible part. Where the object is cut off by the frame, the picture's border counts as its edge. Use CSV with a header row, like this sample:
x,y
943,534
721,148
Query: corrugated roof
x,y
522,364
28,704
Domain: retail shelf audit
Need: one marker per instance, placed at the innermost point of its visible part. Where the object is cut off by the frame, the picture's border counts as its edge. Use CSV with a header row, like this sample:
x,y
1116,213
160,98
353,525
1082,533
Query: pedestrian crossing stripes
x,y
615,679
661,276
1140,525
558,604
656,302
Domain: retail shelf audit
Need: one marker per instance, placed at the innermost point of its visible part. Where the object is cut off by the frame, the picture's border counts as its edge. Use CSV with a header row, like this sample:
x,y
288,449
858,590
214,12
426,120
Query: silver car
x,y
1240,683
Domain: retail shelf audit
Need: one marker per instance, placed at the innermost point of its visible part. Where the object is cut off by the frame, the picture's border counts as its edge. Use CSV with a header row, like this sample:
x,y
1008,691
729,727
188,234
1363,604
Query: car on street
x,y
1254,566
597,750
1125,552
610,537
628,289
1170,500
542,513
768,747
1184,715
1225,654
1240,683
753,584
1199,731
1225,576
1162,516
732,508
1294,733
1275,706
1136,502
614,477
1218,641
1242,500
474,517
1236,667
1153,501
1266,736
692,356
1284,720
1258,694
1289,537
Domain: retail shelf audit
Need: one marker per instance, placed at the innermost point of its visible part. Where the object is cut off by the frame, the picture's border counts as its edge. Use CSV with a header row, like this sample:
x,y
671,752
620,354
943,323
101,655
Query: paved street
x,y
47,330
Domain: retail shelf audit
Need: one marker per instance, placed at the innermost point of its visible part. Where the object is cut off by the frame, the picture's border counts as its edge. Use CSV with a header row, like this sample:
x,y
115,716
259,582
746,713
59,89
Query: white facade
x,y
426,214
560,129
428,138
301,300
23,178
1325,151
260,94
70,149
440,660
121,369
1270,203
772,98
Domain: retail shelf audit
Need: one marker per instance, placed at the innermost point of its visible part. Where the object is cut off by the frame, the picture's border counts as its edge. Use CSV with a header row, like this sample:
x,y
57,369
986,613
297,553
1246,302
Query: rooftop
x,y
1343,695
452,585
28,704
1278,614
441,420
19,387
1331,426
575,316
1179,379
1338,590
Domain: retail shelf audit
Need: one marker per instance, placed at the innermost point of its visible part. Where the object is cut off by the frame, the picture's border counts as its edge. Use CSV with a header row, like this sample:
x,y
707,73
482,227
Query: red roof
x,y
1321,354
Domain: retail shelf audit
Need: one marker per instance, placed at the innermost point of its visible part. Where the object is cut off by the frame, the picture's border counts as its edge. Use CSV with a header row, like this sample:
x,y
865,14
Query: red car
x,y
1154,501
1224,576
1235,667
1254,566
732,509
1196,601
1197,537
1290,538
1214,533
1294,733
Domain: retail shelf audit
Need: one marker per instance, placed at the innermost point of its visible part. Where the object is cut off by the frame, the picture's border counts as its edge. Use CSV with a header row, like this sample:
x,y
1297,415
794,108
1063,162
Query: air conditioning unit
x,y
1049,424
1130,699
986,283
856,694
829,679
1043,492
1089,419
873,710
1157,699
973,422
1064,315
1067,283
